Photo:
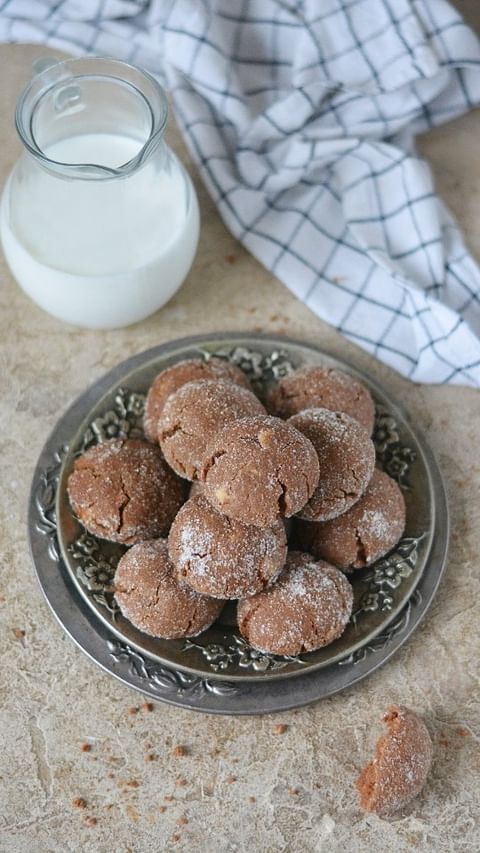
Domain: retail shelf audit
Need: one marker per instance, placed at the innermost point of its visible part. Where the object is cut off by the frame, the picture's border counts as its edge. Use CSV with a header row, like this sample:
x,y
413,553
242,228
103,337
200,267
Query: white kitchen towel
x,y
301,117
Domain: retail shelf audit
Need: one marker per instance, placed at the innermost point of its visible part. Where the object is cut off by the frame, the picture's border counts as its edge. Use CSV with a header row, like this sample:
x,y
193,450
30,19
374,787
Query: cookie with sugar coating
x,y
317,387
259,469
363,534
124,491
346,455
222,557
398,772
152,599
307,608
172,378
194,414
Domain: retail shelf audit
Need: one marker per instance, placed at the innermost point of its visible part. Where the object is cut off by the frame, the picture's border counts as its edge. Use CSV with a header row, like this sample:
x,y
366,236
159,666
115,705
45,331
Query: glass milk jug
x,y
99,220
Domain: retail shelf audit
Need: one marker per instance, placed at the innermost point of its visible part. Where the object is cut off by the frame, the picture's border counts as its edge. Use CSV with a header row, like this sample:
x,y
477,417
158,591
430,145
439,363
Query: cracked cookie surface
x,y
346,455
259,469
193,414
314,387
172,378
122,490
222,557
363,534
307,608
151,598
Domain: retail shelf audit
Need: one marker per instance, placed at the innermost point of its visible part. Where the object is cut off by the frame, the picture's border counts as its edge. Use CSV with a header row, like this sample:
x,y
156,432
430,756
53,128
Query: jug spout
x,y
88,99
43,63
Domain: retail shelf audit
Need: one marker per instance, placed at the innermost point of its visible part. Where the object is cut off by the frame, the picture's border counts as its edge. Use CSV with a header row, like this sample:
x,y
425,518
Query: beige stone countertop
x,y
241,786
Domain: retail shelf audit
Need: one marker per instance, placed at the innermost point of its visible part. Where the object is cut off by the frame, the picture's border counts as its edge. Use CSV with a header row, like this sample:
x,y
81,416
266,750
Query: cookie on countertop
x,y
398,772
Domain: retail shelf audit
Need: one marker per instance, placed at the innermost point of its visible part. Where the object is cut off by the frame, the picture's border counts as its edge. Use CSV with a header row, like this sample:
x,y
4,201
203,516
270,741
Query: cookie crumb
x,y
86,747
175,836
132,783
150,756
253,799
230,259
147,707
19,633
293,792
147,745
132,813
162,809
169,798
180,782
230,780
180,751
182,820
79,803
90,821
132,711
280,729
463,732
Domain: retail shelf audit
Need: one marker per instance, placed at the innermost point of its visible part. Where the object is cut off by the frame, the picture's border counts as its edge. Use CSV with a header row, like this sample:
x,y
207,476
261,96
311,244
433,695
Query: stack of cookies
x,y
284,501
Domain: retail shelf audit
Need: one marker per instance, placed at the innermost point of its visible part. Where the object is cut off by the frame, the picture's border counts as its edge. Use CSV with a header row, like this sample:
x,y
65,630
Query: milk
x,y
100,253
102,149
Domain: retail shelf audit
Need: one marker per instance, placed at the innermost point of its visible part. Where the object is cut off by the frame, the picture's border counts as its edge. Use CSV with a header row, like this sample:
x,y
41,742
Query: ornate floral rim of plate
x,y
95,569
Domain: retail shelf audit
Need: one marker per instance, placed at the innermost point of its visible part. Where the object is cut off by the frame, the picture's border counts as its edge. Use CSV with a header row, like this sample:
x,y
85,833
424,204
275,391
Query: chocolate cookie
x,y
306,609
259,469
151,598
172,378
401,765
363,534
222,557
123,490
347,460
316,387
194,414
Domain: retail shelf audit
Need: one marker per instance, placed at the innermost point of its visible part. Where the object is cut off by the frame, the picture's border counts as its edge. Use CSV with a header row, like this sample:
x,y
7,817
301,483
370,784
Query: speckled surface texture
x,y
243,785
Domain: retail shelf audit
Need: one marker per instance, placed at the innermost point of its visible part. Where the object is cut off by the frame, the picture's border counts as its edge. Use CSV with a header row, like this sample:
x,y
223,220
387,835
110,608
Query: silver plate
x,y
391,597
379,593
